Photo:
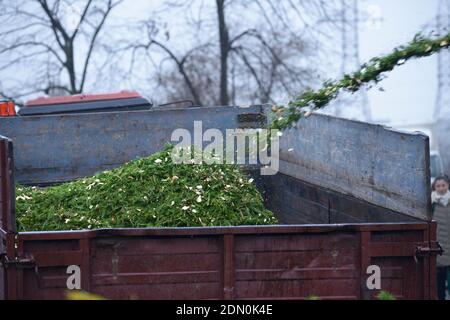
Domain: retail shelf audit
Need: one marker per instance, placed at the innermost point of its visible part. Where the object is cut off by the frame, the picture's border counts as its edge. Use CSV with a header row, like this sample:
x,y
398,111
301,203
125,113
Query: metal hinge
x,y
422,251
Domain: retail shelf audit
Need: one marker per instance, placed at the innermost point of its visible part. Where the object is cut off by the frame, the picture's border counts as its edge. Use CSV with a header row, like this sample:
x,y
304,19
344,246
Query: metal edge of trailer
x,y
388,243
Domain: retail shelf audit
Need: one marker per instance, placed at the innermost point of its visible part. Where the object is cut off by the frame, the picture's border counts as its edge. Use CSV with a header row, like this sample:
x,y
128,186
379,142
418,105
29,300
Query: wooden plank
x,y
370,162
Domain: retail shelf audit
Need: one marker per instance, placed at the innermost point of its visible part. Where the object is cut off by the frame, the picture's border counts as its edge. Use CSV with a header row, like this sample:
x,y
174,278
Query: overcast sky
x,y
410,91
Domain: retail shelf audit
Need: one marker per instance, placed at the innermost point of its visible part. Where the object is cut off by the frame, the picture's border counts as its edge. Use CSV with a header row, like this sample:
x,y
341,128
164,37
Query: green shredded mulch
x,y
149,192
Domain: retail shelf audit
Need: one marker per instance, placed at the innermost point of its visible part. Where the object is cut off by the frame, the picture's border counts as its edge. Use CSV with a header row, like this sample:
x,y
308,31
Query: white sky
x,y
410,90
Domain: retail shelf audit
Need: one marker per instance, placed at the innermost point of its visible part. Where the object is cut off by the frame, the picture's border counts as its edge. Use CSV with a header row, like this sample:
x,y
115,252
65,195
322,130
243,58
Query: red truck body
x,y
248,262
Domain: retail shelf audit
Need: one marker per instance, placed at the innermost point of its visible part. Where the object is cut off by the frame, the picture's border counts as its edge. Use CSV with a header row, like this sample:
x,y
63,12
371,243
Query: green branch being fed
x,y
310,100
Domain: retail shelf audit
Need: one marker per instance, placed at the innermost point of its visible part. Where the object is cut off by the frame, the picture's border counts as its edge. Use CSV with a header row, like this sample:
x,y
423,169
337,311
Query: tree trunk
x,y
224,50
70,67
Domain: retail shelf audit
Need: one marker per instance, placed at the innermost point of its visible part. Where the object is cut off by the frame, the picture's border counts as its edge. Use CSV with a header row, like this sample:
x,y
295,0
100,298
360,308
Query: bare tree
x,y
239,51
53,43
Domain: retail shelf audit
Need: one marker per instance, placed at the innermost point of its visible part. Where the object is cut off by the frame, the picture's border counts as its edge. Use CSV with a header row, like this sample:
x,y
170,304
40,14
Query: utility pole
x,y
356,105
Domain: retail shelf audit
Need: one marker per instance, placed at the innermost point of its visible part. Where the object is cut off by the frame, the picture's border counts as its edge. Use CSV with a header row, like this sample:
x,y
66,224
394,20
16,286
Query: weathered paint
x,y
381,166
64,147
370,162
441,215
7,215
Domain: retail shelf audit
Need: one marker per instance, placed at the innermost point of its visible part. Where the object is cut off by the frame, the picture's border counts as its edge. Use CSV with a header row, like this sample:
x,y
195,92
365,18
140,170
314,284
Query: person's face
x,y
441,187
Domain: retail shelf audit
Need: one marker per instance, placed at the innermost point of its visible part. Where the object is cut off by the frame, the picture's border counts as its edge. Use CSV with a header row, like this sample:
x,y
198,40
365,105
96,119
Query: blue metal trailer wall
x,y
64,147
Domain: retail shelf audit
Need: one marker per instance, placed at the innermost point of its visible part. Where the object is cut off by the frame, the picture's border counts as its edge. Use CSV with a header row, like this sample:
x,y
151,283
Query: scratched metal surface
x,y
370,162
64,147
270,262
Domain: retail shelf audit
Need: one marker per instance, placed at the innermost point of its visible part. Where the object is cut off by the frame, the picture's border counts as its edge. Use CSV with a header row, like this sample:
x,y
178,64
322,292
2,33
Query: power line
x,y
442,108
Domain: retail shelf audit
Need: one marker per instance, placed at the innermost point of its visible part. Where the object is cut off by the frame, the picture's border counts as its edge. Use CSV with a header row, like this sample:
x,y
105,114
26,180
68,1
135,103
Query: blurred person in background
x,y
440,198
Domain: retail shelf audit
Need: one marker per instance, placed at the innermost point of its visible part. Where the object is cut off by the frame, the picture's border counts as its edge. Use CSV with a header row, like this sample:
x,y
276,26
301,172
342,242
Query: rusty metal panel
x,y
370,162
271,262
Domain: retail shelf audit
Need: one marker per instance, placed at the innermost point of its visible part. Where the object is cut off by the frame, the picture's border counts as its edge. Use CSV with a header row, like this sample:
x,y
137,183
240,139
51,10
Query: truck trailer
x,y
349,196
